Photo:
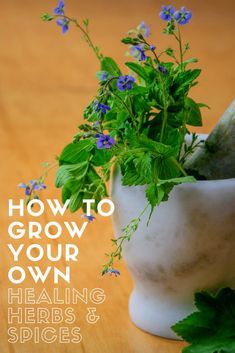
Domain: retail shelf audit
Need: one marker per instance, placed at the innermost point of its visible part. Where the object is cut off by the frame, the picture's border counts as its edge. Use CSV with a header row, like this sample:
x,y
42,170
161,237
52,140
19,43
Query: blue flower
x,y
64,23
90,218
104,75
137,51
162,69
96,123
144,29
104,141
26,187
59,10
36,185
103,108
125,83
183,16
167,13
152,47
112,271
33,185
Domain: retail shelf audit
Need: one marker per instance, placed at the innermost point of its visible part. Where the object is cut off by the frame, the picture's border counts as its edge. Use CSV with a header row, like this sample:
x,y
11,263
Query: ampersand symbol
x,y
91,317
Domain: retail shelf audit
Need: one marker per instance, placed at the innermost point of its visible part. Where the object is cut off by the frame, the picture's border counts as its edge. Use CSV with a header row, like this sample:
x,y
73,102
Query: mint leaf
x,y
154,194
181,180
101,157
70,172
211,329
77,152
137,169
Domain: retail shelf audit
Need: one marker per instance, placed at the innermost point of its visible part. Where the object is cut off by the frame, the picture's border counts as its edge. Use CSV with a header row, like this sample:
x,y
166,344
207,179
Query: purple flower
x,y
183,16
137,51
144,29
96,123
112,271
59,10
90,218
100,107
33,185
125,83
162,69
36,185
64,23
26,187
152,47
104,75
167,13
104,141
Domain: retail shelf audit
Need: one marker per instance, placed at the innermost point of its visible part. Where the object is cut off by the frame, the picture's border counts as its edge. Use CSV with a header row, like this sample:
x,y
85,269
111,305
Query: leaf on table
x,y
211,329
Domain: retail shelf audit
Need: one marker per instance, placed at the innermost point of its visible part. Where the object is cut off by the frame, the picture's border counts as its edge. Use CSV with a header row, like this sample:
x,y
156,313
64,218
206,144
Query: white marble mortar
x,y
188,246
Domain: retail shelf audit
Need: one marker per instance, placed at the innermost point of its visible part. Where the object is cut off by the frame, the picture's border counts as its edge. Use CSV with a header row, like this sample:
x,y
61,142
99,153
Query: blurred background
x,y
46,80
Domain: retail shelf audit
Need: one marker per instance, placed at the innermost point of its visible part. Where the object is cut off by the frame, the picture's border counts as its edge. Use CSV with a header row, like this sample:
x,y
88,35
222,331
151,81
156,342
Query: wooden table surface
x,y
46,81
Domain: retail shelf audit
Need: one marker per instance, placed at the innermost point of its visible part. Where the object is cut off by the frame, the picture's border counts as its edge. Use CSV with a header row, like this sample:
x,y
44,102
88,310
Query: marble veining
x,y
189,245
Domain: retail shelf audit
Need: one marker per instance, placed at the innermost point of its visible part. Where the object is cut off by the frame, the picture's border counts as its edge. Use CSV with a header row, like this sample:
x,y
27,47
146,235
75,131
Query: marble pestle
x,y
215,159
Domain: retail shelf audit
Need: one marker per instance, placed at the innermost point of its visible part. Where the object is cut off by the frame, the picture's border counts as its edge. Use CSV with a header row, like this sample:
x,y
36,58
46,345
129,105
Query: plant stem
x,y
177,164
181,50
163,124
86,35
126,235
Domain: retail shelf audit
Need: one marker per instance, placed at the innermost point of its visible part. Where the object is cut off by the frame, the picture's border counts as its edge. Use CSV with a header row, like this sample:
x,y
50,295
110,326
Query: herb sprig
x,y
138,121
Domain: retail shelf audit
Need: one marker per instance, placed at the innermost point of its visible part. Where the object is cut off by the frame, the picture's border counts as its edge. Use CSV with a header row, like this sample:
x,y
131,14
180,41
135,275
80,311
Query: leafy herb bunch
x,y
138,120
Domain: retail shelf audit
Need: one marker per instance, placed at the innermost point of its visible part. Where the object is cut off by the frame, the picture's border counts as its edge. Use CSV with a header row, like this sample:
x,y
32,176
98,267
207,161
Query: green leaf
x,y
211,329
176,181
137,169
75,201
66,194
101,157
192,112
166,169
189,61
47,17
154,194
138,69
122,117
156,147
210,346
109,65
203,105
70,172
86,22
130,40
183,81
170,52
77,152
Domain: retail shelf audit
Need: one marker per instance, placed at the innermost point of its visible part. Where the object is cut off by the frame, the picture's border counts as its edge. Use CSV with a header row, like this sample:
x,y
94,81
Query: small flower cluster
x,y
103,108
62,22
181,16
124,83
31,188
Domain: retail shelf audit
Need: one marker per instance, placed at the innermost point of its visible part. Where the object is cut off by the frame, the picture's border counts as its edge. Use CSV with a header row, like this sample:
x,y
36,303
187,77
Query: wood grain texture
x,y
46,81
